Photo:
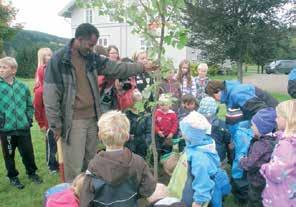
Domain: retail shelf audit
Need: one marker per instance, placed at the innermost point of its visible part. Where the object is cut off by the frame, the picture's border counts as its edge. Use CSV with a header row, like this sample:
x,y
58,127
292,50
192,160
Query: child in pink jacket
x,y
280,172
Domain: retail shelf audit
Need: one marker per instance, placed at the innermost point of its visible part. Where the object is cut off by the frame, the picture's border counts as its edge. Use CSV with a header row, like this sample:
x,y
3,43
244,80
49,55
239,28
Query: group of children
x,y
257,139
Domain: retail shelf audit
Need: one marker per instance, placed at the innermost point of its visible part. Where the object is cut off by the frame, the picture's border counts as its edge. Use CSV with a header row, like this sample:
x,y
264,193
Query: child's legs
x,y
74,149
25,147
216,197
51,150
255,199
91,142
9,144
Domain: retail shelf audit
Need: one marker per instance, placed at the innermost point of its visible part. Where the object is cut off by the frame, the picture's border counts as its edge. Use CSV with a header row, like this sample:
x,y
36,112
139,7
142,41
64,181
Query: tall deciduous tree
x,y
231,24
157,21
7,14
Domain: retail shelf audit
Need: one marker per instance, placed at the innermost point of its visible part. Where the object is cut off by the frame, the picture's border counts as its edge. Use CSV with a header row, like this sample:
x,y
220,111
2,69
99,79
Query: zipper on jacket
x,y
14,109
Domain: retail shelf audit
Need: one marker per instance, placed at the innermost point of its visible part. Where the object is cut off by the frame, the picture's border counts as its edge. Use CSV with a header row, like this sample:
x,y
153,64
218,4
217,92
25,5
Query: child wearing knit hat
x,y
261,148
209,108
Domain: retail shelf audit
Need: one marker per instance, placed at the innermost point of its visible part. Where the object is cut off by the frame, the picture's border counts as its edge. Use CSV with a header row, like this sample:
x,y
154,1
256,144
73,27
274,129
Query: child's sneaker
x,y
16,182
35,178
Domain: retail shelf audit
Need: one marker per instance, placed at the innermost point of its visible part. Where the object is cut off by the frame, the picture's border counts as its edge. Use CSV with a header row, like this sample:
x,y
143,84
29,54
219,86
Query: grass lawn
x,y
32,195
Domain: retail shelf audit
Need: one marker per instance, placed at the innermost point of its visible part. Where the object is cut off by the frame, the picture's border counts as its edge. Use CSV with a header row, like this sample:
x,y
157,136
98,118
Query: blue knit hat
x,y
208,107
265,120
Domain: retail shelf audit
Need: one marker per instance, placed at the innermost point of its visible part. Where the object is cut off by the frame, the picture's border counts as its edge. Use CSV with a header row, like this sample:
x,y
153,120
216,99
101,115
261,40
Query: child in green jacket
x,y
16,116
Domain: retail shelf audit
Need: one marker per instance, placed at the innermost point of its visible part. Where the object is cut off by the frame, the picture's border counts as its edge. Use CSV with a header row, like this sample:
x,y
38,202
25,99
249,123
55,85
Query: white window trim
x,y
89,17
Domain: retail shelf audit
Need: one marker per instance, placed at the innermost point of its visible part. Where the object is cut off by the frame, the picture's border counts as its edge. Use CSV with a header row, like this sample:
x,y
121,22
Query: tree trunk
x,y
239,71
258,69
262,70
246,68
156,92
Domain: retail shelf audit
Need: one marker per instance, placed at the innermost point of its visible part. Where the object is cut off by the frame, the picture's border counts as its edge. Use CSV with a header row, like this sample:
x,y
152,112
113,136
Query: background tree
x,y
157,21
266,43
231,24
7,15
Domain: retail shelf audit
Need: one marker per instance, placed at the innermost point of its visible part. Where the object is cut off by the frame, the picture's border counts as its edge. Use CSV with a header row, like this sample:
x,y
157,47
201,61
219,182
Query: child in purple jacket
x,y
280,172
261,147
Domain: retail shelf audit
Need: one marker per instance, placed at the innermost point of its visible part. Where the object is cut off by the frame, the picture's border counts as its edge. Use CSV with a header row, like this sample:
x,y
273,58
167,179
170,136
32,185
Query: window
x,y
143,45
103,41
89,16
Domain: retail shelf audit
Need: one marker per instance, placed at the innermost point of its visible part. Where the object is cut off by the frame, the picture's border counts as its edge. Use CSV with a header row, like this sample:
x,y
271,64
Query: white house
x,y
119,34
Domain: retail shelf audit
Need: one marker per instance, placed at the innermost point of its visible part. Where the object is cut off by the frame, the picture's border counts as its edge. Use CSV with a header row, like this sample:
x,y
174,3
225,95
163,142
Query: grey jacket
x,y
60,85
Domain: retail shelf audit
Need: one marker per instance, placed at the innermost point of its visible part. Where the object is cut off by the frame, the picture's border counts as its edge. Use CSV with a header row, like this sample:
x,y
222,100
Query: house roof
x,y
67,10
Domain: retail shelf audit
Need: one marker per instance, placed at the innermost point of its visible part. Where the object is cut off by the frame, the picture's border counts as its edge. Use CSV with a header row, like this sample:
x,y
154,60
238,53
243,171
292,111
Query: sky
x,y
42,16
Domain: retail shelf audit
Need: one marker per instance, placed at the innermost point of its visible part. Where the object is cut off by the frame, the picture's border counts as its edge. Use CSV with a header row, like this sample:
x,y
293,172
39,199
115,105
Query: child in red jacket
x,y
44,55
166,125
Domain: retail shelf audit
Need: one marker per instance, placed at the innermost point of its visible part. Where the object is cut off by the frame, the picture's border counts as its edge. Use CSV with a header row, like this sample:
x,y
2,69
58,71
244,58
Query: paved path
x,y
272,83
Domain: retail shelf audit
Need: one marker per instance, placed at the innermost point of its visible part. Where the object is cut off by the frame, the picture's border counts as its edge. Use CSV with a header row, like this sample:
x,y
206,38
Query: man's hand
x,y
43,129
57,133
150,66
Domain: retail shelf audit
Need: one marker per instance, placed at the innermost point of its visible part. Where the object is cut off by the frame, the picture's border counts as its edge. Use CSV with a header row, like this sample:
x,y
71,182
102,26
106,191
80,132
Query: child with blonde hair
x,y
201,81
280,172
16,118
187,82
117,175
44,55
166,124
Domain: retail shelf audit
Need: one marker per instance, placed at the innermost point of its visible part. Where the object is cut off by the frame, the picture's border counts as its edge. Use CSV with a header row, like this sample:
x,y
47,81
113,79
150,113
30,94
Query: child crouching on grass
x,y
198,178
260,150
16,117
117,175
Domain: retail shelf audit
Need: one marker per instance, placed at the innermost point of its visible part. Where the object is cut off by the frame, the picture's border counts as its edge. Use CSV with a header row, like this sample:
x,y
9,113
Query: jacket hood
x,y
196,129
229,86
112,167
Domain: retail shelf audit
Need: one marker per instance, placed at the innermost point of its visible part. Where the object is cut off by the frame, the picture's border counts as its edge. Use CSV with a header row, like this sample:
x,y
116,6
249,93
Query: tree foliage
x,y
157,21
7,15
24,46
234,27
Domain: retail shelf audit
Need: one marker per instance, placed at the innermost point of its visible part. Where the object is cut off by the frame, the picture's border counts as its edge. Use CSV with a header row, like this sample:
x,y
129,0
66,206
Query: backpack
x,y
123,194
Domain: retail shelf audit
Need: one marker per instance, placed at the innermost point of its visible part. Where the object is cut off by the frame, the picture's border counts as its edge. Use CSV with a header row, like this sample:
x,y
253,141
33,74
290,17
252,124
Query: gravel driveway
x,y
272,83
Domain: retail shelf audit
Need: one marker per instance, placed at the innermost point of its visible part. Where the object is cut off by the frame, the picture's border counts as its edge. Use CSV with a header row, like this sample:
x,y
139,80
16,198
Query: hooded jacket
x,y
38,103
259,153
200,163
116,167
280,175
292,83
16,109
247,97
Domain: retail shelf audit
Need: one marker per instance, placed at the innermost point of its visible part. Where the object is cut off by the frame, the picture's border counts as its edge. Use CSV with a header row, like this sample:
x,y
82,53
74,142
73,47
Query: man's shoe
x,y
35,178
16,183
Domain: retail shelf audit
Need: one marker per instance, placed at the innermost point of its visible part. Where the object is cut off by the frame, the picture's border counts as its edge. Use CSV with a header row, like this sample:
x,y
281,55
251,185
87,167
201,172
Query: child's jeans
x,y
23,142
51,150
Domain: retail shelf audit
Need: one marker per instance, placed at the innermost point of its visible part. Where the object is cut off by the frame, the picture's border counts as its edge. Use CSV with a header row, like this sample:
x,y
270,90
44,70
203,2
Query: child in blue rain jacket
x,y
198,179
